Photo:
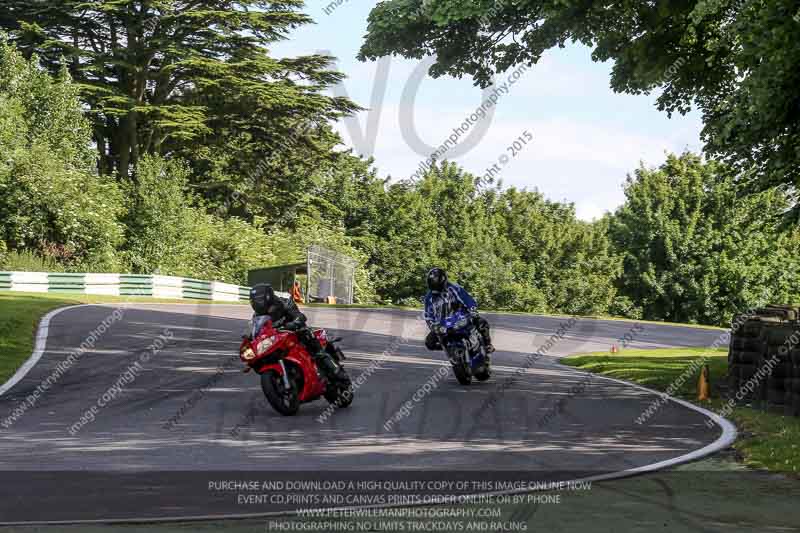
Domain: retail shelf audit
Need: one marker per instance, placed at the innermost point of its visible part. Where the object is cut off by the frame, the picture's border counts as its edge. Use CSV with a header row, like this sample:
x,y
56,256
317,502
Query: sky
x,y
586,138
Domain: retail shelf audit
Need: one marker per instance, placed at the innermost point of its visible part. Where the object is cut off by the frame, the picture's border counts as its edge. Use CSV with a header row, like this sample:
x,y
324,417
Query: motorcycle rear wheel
x,y
283,400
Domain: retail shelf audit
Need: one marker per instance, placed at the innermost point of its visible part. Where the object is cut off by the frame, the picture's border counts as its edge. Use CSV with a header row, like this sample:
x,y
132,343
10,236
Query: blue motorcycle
x,y
464,347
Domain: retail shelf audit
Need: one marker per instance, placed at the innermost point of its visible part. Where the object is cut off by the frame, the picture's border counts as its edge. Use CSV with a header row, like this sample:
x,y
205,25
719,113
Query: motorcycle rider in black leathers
x,y
285,314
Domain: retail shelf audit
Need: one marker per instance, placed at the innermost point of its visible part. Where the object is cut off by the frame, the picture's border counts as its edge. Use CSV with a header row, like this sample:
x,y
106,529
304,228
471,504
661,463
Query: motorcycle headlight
x,y
248,354
265,345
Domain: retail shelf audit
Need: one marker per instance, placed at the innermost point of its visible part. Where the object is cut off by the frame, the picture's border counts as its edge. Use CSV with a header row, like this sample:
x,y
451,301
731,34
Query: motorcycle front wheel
x,y
462,373
460,368
484,374
282,399
340,394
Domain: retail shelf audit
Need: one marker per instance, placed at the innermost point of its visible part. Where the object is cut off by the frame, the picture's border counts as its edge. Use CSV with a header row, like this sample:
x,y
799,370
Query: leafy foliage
x,y
167,76
167,234
695,252
28,261
51,198
512,249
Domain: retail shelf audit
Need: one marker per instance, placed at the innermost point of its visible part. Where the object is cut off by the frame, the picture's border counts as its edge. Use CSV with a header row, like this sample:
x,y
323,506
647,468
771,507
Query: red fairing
x,y
270,345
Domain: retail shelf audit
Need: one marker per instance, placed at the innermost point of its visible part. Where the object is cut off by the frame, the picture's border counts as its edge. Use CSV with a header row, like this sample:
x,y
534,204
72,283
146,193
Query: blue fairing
x,y
459,328
457,322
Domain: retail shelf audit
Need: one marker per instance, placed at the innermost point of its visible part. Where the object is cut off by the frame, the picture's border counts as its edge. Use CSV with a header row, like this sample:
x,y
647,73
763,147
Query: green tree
x,y
169,232
696,252
562,264
51,199
164,76
738,61
466,239
512,249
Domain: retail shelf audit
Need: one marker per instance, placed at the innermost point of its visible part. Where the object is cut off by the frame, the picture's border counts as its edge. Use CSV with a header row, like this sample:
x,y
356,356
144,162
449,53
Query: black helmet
x,y
437,279
261,296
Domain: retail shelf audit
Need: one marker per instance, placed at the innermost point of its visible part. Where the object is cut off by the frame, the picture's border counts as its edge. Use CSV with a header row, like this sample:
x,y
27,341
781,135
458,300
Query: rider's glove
x,y
292,326
473,313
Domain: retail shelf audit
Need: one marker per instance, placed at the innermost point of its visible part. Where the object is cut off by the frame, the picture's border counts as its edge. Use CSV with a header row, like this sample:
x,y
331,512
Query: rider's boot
x,y
483,329
487,340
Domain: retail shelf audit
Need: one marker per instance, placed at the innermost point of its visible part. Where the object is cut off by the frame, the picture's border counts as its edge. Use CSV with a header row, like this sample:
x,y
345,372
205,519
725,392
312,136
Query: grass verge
x,y
767,440
20,314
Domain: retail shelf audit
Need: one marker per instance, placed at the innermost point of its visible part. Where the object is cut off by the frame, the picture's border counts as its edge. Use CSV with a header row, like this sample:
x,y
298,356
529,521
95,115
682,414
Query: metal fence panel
x,y
330,273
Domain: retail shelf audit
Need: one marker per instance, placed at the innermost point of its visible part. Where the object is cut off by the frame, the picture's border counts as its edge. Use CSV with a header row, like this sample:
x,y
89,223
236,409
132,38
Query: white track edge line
x,y
729,431
38,349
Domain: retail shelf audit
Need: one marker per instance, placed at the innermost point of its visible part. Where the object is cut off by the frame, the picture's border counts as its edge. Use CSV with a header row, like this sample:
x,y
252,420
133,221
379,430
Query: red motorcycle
x,y
289,375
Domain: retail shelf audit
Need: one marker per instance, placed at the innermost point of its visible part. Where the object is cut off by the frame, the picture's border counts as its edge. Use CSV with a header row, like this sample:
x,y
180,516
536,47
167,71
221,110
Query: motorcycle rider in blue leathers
x,y
444,298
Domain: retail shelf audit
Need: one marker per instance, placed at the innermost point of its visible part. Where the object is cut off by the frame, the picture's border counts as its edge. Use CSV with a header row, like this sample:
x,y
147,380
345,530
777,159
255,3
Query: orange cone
x,y
614,348
703,384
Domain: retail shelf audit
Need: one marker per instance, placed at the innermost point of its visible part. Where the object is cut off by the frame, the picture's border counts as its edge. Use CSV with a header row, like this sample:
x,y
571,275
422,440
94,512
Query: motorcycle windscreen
x,y
259,321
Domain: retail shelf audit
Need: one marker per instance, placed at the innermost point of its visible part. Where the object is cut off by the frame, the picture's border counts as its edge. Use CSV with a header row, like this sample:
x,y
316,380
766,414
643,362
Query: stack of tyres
x,y
763,335
746,353
778,337
792,384
782,344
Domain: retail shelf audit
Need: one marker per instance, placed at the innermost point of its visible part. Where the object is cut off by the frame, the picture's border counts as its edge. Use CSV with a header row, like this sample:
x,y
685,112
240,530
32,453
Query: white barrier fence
x,y
156,286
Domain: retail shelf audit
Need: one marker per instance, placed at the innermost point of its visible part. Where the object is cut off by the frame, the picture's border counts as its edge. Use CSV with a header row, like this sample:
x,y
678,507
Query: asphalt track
x,y
156,447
